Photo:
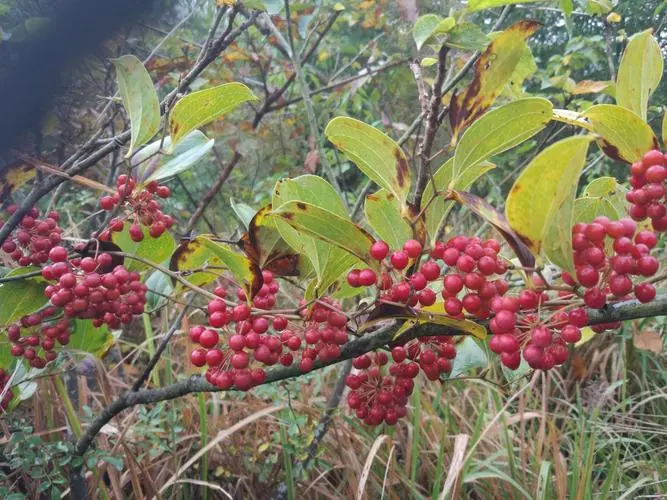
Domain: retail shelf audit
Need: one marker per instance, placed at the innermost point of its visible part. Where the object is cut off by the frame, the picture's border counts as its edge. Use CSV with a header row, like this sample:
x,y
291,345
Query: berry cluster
x,y
139,205
607,254
395,286
37,330
106,298
251,341
378,397
648,198
33,238
523,324
4,380
472,264
434,354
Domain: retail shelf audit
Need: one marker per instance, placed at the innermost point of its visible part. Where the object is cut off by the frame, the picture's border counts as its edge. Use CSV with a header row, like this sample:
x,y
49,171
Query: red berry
x,y
431,270
107,203
379,250
399,259
645,292
198,357
570,334
453,283
209,338
653,157
136,233
413,248
367,277
594,298
427,297
353,278
58,254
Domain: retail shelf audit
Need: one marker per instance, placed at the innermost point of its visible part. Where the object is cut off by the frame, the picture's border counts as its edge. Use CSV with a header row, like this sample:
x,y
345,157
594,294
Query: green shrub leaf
x,y
639,73
501,129
139,99
540,205
22,297
204,106
375,153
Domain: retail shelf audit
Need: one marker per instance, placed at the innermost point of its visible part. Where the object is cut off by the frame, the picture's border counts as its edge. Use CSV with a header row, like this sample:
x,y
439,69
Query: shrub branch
x,y
621,311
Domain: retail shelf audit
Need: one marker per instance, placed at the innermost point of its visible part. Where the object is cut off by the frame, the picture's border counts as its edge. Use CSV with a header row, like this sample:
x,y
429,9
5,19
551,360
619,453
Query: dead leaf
x,y
312,159
648,340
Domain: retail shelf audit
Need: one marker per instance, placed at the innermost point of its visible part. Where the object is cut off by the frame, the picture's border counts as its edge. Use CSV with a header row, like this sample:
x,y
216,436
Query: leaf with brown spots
x,y
329,227
498,221
624,136
264,246
246,272
375,153
540,205
197,263
493,71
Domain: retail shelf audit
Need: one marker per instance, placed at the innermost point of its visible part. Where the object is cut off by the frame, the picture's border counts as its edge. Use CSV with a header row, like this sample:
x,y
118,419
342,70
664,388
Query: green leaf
x,y
161,283
664,126
316,191
22,297
139,99
611,190
243,212
475,5
156,250
427,62
191,255
439,209
383,213
329,227
639,73
375,153
588,208
469,355
246,272
467,36
525,69
86,338
501,129
204,106
625,136
185,155
540,204
596,7
493,71
567,6
430,25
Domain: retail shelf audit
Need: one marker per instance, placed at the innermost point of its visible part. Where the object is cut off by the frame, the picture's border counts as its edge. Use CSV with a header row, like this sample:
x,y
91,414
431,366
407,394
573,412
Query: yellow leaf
x,y
587,335
435,314
589,87
639,73
625,136
614,18
540,204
